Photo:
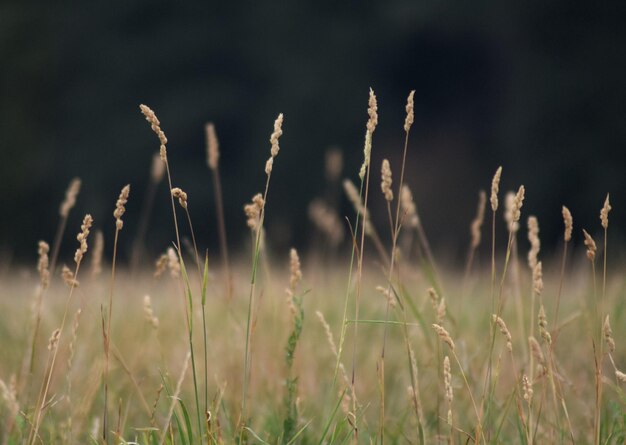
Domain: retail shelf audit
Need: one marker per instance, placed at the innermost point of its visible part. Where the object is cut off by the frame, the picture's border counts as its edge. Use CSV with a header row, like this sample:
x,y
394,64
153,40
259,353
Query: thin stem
x,y
43,393
221,227
107,340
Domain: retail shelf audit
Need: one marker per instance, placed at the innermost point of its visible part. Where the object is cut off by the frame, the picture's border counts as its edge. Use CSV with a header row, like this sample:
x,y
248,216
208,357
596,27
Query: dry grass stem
x,y
447,380
535,243
157,169
98,251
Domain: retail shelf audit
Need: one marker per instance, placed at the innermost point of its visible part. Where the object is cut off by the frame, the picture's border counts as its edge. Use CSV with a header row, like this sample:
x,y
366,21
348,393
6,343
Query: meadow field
x,y
367,338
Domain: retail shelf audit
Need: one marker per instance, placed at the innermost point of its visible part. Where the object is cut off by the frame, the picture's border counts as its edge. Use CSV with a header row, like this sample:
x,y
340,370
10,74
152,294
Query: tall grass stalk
x,y
156,128
255,262
119,224
67,205
57,335
395,225
213,155
364,174
156,176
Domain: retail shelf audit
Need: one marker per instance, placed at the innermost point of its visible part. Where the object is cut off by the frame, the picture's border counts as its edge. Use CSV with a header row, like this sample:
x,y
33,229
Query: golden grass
x,y
273,374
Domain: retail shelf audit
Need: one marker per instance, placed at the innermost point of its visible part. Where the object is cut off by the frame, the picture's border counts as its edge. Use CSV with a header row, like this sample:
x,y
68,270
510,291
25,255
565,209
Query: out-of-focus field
x,y
360,340
146,357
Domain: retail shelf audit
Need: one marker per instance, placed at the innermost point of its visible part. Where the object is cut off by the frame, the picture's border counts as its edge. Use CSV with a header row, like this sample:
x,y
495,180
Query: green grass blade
x,y
332,416
187,421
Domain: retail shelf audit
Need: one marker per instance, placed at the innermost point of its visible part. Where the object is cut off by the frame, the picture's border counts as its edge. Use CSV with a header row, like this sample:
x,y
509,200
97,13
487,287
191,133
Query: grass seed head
x,y
295,270
388,295
568,221
538,279
543,326
120,207
156,127
409,209
276,134
173,262
157,171
478,220
212,146
536,351
370,127
535,243
386,180
504,330
447,377
82,238
181,196
53,342
161,264
517,203
591,246
408,121
68,277
604,213
527,387
608,334
495,188
620,376
42,264
444,336
253,211
327,221
509,203
98,250
333,164
70,197
151,319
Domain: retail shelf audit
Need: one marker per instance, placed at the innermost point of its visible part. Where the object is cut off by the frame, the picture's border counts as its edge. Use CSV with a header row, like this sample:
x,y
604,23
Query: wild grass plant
x,y
493,353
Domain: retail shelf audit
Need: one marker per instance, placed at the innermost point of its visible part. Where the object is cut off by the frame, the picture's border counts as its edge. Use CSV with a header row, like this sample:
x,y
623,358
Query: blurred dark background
x,y
537,87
